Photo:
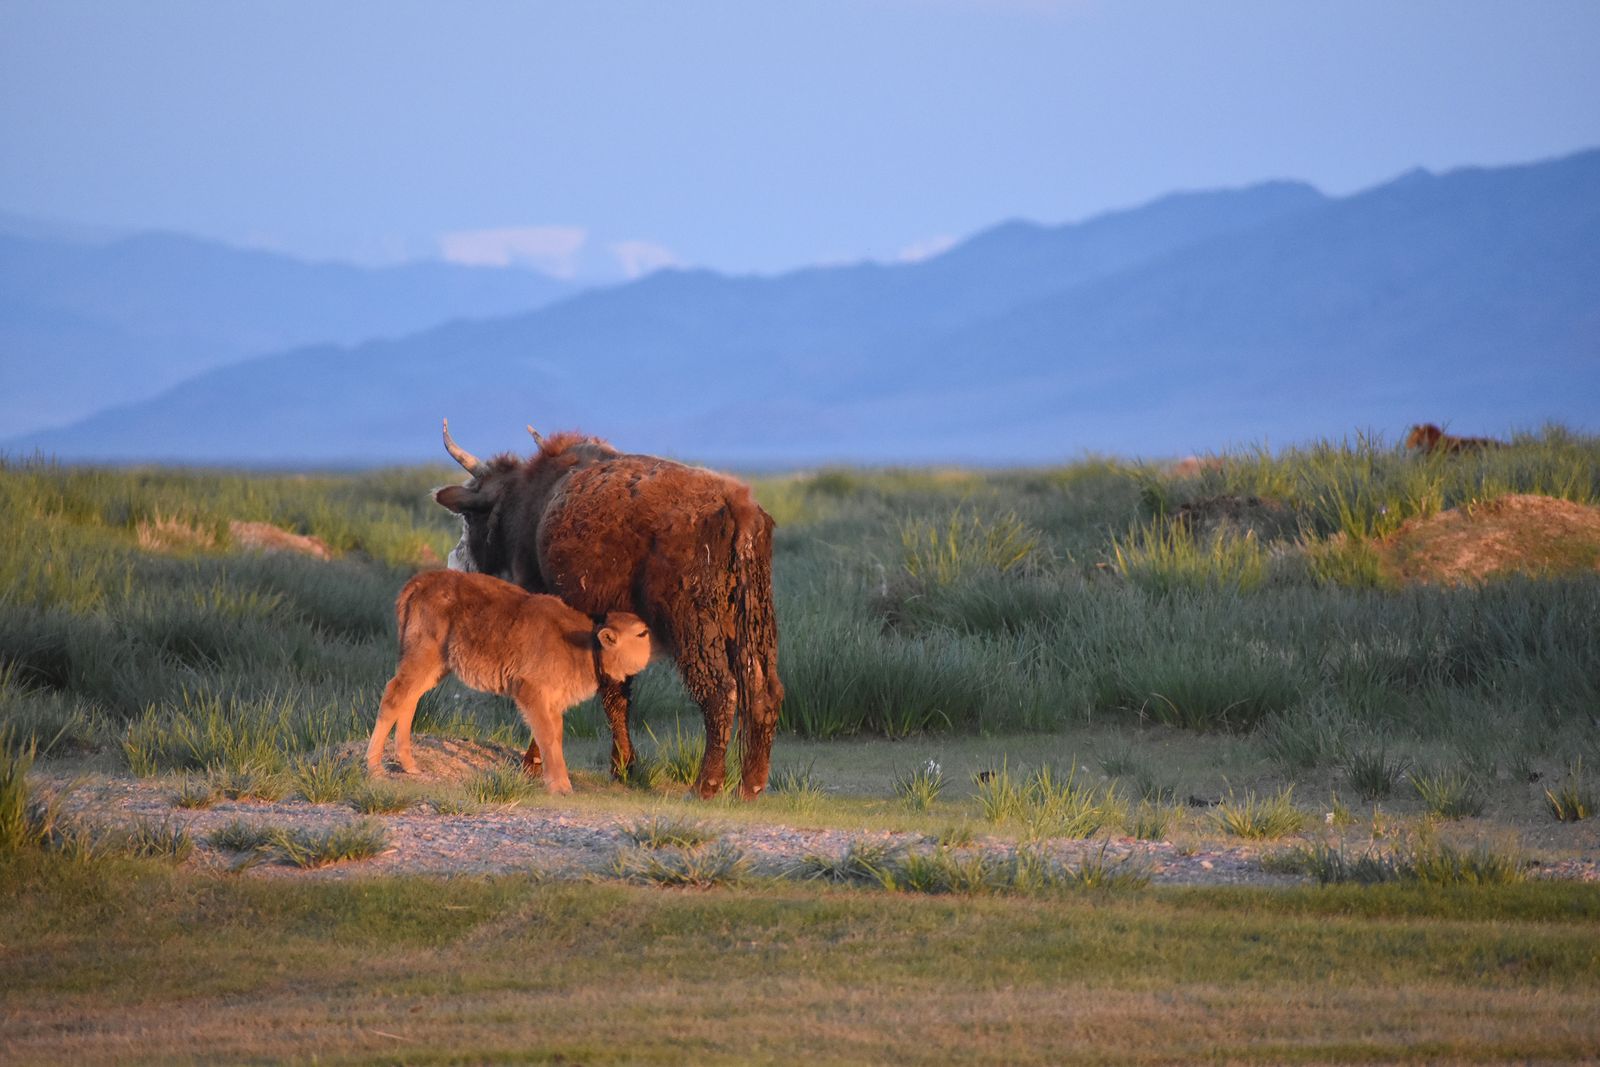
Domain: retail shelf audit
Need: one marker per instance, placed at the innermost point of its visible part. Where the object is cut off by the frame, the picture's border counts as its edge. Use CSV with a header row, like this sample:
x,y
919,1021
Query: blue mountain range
x,y
1266,315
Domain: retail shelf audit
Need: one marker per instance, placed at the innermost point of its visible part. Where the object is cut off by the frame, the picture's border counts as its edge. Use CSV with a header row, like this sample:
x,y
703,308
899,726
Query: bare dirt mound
x,y
265,537
174,535
1538,536
439,759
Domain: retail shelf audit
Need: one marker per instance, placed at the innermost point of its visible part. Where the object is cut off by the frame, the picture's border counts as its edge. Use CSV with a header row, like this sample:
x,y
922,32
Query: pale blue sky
x,y
747,135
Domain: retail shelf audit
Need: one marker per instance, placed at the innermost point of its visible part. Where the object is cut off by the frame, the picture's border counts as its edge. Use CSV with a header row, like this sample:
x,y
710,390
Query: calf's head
x,y
623,641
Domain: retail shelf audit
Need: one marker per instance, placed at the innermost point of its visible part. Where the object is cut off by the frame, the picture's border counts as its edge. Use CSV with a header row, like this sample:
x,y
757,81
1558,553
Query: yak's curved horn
x,y
474,466
538,439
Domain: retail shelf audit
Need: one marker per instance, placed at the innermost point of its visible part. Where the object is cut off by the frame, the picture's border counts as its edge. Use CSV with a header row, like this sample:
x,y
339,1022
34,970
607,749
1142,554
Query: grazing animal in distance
x,y
686,549
1427,437
500,639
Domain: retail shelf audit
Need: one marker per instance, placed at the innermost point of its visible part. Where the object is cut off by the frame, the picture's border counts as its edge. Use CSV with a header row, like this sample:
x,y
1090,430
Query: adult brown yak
x,y
686,549
1426,437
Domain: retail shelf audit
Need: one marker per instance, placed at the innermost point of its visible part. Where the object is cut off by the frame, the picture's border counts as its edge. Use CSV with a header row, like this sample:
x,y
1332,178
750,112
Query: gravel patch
x,y
570,842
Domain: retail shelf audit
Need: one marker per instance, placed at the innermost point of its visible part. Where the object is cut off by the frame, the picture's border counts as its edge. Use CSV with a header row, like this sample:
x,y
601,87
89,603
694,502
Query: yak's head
x,y
482,547
501,503
1425,437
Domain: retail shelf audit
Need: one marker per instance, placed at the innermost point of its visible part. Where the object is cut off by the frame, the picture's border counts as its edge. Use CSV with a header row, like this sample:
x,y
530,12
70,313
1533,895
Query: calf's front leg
x,y
545,720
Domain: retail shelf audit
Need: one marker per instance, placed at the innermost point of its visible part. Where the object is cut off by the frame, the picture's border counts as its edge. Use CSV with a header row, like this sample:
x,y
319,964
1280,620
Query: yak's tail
x,y
753,648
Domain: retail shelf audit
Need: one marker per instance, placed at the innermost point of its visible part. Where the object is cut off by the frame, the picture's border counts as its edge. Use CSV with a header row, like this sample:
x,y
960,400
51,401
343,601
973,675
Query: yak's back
x,y
647,504
633,519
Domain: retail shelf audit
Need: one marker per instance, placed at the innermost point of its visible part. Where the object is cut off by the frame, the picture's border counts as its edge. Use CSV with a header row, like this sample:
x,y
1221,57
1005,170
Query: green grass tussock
x,y
1429,863
1259,817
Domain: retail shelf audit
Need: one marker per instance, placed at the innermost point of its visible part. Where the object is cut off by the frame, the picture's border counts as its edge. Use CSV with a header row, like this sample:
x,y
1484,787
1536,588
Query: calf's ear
x,y
607,636
459,498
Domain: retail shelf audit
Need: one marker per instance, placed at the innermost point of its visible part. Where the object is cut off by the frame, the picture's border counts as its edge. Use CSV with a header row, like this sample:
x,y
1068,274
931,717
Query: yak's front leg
x,y
615,697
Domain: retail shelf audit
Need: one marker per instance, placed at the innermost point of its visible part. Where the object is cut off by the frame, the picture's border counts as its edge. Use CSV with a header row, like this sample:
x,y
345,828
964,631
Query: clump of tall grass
x,y
1426,863
661,831
20,822
300,847
1069,806
1301,738
247,780
1048,804
1259,817
1229,689
378,798
208,729
1001,795
1373,773
1347,561
1149,822
324,780
863,862
195,791
504,784
1163,556
795,779
1450,793
237,835
718,864
845,676
943,871
920,787
799,789
150,840
675,757
54,721
1573,798
320,848
965,543
1023,871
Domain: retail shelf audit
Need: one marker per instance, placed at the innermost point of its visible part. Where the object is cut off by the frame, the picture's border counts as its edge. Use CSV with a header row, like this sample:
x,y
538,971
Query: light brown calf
x,y
497,638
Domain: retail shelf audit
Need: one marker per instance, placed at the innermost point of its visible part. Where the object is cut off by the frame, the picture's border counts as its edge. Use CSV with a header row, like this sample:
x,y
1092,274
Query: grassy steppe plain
x,y
1082,611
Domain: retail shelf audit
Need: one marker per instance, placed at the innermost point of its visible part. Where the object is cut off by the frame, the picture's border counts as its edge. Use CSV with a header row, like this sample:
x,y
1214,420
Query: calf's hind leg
x,y
414,677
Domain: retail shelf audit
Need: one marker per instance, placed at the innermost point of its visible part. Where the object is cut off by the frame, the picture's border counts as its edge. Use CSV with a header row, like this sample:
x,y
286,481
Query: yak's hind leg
x,y
616,698
414,677
703,663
